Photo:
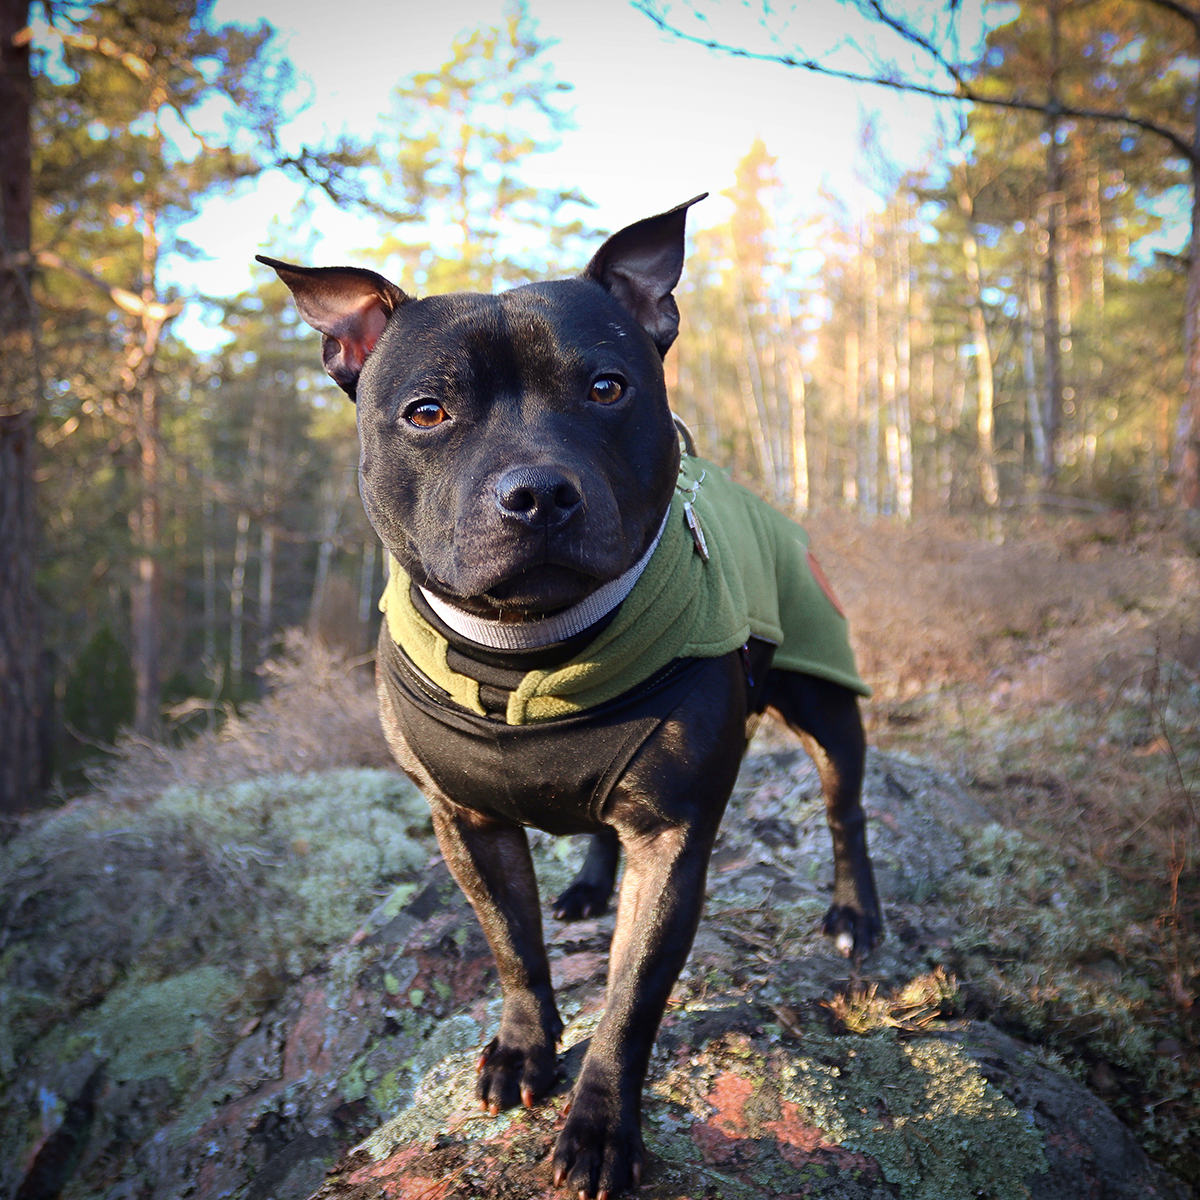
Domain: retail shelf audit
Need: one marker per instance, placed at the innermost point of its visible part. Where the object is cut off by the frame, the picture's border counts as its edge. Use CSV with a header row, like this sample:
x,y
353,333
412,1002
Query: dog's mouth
x,y
523,610
532,594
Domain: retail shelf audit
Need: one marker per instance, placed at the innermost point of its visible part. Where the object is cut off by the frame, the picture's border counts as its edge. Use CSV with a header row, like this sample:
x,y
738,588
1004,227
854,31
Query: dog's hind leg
x,y
590,891
491,862
826,718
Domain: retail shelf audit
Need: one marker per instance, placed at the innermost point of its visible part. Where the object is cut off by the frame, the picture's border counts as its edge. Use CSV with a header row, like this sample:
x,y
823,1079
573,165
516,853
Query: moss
x,y
921,1109
161,1030
1033,931
392,1092
935,1125
324,839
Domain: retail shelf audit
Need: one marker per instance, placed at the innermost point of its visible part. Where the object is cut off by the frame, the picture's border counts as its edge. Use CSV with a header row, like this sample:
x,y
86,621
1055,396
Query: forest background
x,y
993,334
971,379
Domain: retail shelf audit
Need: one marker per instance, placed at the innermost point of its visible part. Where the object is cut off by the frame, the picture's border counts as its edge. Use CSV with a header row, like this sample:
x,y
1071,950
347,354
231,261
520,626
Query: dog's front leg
x,y
667,811
600,1151
490,860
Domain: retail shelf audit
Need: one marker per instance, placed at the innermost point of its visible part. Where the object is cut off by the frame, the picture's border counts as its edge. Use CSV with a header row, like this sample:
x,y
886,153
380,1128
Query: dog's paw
x,y
582,900
599,1152
510,1075
854,932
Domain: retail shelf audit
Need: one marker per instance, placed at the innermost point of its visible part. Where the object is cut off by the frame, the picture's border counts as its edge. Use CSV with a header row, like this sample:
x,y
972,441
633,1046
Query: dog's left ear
x,y
640,266
348,306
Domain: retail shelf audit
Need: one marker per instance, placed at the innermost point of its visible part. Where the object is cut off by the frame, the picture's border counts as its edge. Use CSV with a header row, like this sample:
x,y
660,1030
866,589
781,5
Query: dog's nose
x,y
537,495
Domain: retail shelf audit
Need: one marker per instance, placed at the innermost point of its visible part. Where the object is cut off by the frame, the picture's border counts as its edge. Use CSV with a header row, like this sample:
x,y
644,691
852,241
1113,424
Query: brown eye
x,y
426,415
607,390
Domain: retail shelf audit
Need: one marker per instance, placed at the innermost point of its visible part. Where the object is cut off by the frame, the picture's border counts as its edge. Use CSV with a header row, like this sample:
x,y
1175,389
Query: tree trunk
x,y
1188,438
1037,421
868,487
237,601
366,589
793,374
210,572
22,760
985,413
24,747
750,380
266,588
904,492
850,392
1052,403
145,588
335,498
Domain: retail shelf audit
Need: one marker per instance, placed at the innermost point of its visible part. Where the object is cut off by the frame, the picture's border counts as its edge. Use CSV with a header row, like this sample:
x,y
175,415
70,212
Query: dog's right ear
x,y
349,306
639,267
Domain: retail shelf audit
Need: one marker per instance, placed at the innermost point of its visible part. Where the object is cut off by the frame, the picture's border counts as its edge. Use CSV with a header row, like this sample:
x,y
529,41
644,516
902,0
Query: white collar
x,y
531,635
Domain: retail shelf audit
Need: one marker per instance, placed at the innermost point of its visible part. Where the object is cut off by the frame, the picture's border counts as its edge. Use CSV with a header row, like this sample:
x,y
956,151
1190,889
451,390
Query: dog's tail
x,y
685,436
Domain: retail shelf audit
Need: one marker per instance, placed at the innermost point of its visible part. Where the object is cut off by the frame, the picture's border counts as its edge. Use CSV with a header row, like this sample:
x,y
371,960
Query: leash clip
x,y
693,521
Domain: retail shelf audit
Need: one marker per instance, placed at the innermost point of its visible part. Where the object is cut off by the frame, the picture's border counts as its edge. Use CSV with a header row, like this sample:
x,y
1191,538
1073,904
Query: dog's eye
x,y
426,415
608,389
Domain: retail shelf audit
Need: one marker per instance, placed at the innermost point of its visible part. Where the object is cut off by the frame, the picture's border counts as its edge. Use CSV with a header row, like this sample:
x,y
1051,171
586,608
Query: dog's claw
x,y
527,1096
845,943
560,1176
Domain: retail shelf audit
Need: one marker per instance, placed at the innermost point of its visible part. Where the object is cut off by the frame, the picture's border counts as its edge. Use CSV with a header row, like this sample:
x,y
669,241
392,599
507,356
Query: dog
x,y
569,643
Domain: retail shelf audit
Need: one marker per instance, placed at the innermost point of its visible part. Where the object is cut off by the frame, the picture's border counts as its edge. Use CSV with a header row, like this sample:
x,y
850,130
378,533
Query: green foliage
x,y
466,133
143,110
98,700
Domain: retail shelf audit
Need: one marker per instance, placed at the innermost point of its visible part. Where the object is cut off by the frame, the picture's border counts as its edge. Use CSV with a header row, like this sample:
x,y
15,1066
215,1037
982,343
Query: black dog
x,y
522,468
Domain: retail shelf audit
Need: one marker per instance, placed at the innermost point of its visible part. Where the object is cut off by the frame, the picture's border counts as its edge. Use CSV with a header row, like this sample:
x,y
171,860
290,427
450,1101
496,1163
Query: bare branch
x,y
964,92
909,34
126,301
1191,15
136,66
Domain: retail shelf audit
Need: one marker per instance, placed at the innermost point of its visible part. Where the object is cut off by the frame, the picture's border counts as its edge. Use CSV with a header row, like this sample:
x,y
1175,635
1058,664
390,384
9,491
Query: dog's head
x,y
517,450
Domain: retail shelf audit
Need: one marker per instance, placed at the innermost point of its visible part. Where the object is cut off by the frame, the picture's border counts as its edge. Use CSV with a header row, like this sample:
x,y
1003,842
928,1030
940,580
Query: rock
x,y
779,1070
737,1107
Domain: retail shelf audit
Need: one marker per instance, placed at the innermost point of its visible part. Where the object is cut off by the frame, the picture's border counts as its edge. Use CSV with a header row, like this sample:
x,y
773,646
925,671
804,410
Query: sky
x,y
656,120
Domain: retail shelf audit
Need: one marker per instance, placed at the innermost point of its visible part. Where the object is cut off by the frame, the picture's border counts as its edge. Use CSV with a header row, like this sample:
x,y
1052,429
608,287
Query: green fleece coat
x,y
760,580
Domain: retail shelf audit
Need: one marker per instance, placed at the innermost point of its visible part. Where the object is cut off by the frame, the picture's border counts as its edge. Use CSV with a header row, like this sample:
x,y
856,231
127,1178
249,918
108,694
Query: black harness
x,y
555,775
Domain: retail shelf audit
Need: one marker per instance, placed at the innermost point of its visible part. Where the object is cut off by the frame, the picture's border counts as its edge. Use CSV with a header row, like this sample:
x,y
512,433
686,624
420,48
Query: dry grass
x,y
319,715
1052,665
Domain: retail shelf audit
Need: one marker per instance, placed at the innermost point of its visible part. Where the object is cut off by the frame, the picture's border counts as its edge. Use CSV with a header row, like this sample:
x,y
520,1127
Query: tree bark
x,y
24,756
985,413
750,381
145,588
266,587
1052,402
237,601
1188,437
850,399
904,495
868,487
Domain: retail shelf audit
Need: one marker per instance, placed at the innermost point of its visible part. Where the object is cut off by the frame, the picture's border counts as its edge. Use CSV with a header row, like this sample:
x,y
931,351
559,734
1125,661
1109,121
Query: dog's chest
x,y
553,775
